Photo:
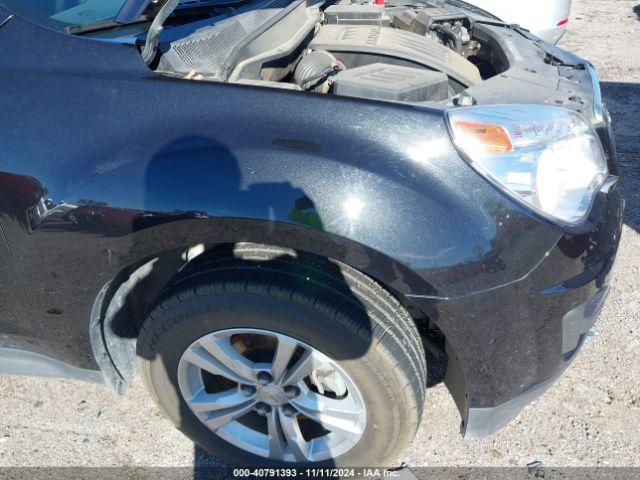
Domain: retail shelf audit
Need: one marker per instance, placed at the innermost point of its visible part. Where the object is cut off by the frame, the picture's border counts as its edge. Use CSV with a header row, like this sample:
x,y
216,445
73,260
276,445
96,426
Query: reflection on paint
x,y
424,151
352,207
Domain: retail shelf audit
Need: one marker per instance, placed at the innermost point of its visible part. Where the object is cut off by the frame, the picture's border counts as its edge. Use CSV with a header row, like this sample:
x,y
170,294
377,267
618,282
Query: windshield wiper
x,y
180,11
102,25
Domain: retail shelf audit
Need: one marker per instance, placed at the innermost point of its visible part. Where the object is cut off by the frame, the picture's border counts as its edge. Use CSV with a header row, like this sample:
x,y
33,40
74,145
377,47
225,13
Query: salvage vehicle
x,y
275,211
547,19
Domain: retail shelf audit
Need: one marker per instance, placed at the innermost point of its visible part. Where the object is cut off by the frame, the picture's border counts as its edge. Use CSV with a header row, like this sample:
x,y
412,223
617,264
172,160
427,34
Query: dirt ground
x,y
591,417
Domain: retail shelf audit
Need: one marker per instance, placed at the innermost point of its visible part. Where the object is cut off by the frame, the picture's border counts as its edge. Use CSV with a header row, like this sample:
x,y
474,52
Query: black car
x,y
275,211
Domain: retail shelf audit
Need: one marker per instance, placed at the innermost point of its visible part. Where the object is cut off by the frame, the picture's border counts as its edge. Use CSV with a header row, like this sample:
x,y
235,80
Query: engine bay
x,y
430,52
401,50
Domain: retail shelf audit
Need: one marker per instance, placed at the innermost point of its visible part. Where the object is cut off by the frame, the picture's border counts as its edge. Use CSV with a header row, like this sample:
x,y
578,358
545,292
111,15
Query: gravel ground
x,y
591,417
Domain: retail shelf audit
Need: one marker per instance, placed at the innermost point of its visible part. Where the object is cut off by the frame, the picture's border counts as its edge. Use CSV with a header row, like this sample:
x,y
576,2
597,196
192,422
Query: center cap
x,y
272,395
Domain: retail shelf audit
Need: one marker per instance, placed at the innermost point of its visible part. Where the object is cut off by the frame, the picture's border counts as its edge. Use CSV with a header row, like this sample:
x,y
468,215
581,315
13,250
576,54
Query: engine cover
x,y
381,81
395,43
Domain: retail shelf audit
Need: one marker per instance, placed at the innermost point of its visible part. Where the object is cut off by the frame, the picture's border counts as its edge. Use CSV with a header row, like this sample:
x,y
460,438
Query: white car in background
x,y
547,19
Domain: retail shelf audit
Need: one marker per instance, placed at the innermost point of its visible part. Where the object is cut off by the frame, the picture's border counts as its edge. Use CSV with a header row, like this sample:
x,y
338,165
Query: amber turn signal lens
x,y
550,158
490,138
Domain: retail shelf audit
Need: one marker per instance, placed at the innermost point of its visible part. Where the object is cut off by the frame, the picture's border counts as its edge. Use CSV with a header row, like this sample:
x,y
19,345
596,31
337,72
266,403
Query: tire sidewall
x,y
390,419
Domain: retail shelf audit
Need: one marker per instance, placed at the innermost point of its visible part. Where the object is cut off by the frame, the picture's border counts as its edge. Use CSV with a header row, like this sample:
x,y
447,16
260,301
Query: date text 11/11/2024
x,y
369,473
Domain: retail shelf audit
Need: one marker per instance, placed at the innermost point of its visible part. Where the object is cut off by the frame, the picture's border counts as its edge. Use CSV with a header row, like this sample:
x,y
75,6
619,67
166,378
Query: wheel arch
x,y
121,306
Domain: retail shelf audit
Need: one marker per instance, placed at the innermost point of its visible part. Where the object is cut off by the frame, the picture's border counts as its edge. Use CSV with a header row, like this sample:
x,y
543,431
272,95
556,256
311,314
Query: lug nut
x,y
263,409
247,390
288,410
264,378
291,392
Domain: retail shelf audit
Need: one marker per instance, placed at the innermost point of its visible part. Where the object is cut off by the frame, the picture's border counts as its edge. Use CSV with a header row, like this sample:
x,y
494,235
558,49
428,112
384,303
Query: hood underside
x,y
133,9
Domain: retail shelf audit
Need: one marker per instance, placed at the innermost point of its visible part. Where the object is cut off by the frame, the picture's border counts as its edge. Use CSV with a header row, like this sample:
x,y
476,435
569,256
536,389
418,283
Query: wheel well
x,y
124,303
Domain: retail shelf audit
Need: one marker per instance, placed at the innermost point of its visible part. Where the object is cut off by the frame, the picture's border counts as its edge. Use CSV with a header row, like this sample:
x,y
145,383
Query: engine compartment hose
x,y
315,68
454,41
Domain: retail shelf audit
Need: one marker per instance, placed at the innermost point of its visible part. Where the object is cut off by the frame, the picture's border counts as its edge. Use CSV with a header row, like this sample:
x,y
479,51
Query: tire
x,y
327,306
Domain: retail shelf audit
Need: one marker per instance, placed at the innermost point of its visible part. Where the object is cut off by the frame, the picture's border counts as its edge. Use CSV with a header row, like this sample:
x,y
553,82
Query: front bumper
x,y
507,345
575,326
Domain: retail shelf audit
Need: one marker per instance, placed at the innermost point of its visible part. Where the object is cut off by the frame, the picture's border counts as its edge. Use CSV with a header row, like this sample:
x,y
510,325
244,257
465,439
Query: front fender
x,y
125,155
404,193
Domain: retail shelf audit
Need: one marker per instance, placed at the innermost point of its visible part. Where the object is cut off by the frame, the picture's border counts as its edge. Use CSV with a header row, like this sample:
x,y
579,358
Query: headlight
x,y
549,157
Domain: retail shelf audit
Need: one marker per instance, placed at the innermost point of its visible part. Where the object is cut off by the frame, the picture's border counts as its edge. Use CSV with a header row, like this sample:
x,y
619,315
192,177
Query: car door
x,y
19,197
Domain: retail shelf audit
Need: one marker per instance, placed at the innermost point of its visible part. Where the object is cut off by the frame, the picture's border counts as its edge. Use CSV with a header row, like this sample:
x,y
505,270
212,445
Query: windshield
x,y
63,13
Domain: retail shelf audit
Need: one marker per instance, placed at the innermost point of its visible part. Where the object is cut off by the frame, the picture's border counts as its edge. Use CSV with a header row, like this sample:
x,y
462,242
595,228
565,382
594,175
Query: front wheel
x,y
263,366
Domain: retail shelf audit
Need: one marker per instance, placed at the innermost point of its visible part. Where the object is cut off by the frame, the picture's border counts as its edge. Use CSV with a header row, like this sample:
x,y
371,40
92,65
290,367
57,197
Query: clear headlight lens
x,y
549,157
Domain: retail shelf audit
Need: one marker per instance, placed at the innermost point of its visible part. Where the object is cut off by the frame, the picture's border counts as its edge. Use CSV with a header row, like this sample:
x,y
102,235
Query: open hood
x,y
133,9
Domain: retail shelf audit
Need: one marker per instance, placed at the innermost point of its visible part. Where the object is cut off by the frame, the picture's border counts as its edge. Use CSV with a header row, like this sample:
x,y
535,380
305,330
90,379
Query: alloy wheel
x,y
272,395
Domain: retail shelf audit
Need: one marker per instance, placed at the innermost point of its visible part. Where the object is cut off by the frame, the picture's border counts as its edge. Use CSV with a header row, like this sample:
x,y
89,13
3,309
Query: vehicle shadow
x,y
636,10
623,103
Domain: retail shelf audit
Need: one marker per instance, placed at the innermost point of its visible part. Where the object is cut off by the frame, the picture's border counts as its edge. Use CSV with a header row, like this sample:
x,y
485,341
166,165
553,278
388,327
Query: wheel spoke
x,y
296,442
204,402
334,415
277,442
204,360
303,367
222,350
284,350
257,381
220,418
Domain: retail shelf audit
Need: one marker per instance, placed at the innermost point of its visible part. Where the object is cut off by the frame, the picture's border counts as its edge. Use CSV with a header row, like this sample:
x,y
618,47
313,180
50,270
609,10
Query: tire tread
x,y
306,281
